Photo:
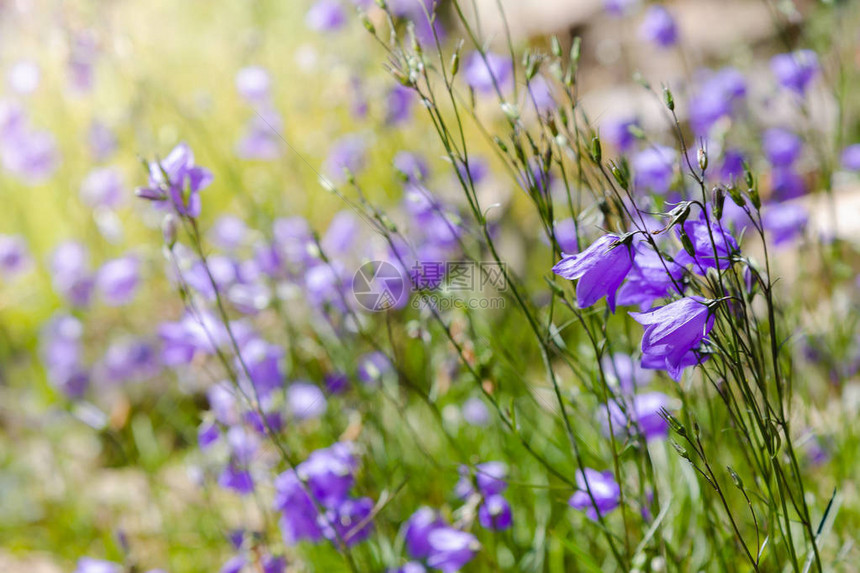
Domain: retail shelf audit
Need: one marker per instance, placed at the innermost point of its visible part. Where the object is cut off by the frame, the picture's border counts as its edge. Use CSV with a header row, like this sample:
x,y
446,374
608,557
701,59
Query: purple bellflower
x,y
177,180
659,27
605,494
794,71
600,269
672,331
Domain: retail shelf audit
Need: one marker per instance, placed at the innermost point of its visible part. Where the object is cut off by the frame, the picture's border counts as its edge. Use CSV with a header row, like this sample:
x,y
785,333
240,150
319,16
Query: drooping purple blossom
x,y
237,478
600,270
672,331
207,434
299,515
620,8
795,70
234,565
659,27
274,564
264,363
598,493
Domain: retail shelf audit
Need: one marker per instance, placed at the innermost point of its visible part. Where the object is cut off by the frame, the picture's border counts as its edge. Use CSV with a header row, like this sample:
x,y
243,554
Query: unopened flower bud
x,y
702,157
596,150
687,244
669,99
718,198
736,196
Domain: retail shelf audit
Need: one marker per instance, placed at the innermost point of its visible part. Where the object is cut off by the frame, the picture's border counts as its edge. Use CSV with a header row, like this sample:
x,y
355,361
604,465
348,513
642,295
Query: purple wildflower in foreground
x,y
794,71
451,549
600,269
659,27
485,76
672,331
178,180
851,157
605,494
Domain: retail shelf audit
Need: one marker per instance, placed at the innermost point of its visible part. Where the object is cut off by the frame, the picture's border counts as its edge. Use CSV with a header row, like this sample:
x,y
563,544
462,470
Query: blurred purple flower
x,y
605,495
306,401
237,479
618,133
229,232
484,76
90,565
411,165
653,168
326,16
495,513
207,434
784,221
372,367
128,360
786,184
398,105
600,269
234,565
475,412
451,549
851,157
347,154
253,84
264,364
14,256
625,371
417,530
659,27
715,98
642,414
794,71
70,272
61,350
117,280
781,147
707,243
101,140
342,233
178,180
103,187
345,519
